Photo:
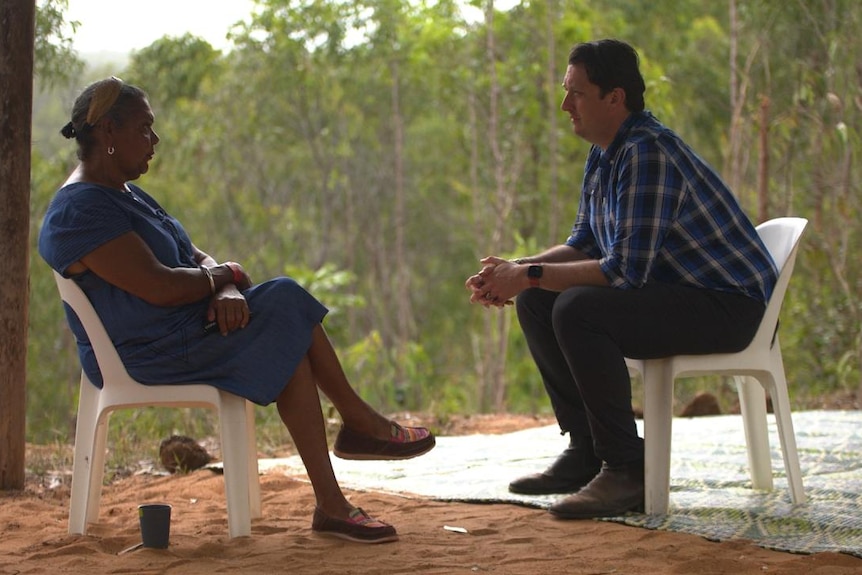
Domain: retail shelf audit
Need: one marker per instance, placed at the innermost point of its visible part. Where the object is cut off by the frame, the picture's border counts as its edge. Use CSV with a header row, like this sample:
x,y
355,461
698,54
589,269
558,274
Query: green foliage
x,y
348,144
174,70
54,59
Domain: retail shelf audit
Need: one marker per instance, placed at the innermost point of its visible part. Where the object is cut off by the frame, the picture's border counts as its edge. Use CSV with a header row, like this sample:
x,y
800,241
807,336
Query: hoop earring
x,y
110,150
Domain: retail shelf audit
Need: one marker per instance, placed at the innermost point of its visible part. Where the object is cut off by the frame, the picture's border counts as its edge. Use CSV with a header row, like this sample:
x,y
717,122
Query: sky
x,y
120,26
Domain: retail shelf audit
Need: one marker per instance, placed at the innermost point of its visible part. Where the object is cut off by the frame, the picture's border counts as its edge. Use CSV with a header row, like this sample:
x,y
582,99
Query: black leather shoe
x,y
573,469
614,491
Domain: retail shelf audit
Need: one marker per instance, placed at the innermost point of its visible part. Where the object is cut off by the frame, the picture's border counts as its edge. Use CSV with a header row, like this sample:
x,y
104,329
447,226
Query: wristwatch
x,y
534,274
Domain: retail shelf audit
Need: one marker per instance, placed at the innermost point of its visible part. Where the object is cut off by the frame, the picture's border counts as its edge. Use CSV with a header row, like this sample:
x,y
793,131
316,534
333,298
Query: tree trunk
x,y
553,115
763,169
733,160
402,278
497,324
17,32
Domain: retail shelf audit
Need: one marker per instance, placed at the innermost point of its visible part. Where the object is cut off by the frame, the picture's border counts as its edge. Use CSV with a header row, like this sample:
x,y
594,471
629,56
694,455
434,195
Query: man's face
x,y
591,114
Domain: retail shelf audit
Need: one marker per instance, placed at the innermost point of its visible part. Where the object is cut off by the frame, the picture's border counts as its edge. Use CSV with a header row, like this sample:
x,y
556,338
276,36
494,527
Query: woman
x,y
162,300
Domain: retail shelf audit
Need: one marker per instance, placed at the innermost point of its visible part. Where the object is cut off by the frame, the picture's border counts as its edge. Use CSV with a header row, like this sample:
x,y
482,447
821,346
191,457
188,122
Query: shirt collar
x,y
633,120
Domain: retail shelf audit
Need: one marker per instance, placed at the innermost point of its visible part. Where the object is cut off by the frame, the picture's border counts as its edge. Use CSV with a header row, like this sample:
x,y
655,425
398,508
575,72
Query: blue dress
x,y
165,345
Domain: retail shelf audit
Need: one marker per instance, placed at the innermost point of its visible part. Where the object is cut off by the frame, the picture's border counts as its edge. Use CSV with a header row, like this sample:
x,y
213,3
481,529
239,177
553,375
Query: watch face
x,y
534,271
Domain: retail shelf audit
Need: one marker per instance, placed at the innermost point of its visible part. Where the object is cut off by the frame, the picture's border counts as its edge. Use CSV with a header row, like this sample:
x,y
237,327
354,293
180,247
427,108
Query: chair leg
x,y
253,470
233,422
97,467
83,467
658,416
752,405
781,408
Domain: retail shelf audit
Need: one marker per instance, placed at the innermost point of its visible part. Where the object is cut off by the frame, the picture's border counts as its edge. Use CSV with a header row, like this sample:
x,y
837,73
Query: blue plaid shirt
x,y
652,210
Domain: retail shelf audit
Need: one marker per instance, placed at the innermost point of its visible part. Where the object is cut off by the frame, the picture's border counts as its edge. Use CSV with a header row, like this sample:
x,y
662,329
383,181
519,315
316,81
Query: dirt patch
x,y
488,423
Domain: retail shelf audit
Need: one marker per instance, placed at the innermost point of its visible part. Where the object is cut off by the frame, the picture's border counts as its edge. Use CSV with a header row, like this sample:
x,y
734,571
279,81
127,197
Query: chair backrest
x,y
781,237
106,354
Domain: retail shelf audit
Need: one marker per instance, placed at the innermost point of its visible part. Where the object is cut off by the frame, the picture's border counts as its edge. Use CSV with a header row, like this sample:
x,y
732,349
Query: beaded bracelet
x,y
235,270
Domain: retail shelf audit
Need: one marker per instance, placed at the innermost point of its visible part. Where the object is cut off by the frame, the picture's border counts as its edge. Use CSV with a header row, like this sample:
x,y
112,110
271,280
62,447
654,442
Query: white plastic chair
x,y
759,362
236,420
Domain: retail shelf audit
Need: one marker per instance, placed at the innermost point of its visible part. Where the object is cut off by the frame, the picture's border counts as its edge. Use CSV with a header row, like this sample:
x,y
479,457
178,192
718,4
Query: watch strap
x,y
534,275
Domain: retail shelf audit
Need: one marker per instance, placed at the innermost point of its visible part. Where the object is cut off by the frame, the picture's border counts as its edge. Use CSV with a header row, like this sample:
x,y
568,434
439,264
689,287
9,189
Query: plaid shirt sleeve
x,y
643,201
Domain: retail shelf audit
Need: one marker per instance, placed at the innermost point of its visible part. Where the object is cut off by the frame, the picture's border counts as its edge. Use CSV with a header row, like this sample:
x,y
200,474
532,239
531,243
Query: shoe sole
x,y
563,515
382,456
542,492
346,537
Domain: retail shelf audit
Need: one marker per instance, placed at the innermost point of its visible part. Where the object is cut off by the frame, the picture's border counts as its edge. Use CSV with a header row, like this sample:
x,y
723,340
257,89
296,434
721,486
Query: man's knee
x,y
534,303
577,301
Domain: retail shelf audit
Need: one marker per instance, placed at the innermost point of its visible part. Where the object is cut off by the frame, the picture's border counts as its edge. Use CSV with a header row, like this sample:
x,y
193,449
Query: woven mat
x,y
710,486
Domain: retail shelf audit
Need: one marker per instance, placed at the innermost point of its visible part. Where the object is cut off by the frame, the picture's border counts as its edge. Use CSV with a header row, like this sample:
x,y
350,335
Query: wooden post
x,y
17,36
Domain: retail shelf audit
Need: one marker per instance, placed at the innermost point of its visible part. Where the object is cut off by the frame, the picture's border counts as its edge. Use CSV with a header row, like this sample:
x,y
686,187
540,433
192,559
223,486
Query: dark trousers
x,y
580,338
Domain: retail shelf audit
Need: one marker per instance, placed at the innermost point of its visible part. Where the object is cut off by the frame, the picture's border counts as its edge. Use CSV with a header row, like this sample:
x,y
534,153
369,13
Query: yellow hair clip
x,y
104,96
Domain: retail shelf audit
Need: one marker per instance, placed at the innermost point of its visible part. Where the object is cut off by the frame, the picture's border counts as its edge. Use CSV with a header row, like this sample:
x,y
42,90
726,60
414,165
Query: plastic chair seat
x,y
760,363
120,391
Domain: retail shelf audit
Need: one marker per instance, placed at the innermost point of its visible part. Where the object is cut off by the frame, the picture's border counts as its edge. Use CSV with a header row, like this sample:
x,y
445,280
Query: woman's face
x,y
134,141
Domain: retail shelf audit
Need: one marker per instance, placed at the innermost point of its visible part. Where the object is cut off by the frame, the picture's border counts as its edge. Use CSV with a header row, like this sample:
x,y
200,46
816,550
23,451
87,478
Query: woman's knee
x,y
287,290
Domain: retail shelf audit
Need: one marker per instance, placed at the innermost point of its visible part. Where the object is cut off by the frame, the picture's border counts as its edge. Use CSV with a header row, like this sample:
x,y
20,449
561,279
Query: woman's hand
x,y
229,309
241,279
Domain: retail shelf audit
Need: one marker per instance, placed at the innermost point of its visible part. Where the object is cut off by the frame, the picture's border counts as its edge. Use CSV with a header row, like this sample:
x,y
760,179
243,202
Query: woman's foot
x,y
358,527
402,443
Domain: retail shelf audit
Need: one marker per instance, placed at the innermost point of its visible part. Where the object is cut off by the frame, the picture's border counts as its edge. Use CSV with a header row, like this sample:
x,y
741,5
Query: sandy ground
x,y
500,538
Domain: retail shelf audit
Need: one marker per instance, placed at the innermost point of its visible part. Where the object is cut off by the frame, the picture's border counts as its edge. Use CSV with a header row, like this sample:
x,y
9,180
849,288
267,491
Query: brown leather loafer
x,y
360,528
614,491
353,445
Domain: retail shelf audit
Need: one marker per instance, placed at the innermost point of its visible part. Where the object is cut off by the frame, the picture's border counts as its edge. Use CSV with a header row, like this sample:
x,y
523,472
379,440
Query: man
x,y
661,261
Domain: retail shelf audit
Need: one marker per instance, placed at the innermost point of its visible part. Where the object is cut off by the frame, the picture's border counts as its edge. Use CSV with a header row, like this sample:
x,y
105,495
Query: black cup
x,y
155,525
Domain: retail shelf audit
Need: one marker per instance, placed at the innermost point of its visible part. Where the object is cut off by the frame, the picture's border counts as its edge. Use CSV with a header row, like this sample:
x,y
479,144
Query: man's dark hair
x,y
612,64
